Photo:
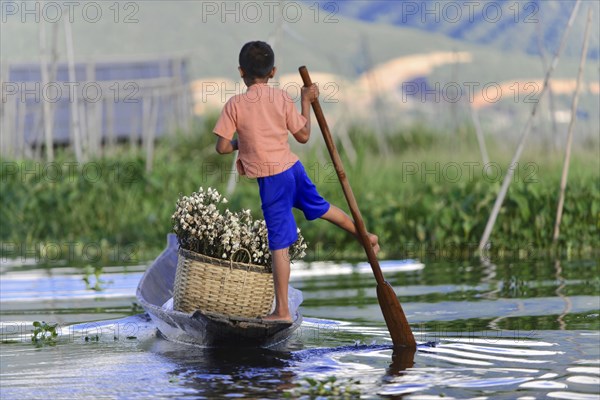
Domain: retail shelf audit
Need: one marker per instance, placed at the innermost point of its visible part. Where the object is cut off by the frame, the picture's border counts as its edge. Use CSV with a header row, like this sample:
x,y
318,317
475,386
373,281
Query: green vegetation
x,y
325,388
96,271
432,192
44,333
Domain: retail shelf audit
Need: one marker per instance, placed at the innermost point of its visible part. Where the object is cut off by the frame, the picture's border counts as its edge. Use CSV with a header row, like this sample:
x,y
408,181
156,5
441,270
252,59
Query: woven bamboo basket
x,y
225,287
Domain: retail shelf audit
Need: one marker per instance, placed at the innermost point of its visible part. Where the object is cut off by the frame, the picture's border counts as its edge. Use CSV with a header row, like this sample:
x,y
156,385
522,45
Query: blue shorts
x,y
278,194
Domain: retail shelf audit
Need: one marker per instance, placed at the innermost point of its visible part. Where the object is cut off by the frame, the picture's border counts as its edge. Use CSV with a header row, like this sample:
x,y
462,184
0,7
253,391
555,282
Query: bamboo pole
x,y
189,105
454,137
92,110
20,141
37,130
381,126
340,125
54,53
48,134
479,133
151,128
177,66
110,122
145,122
550,91
75,126
89,111
134,136
511,169
47,108
53,67
10,127
99,121
83,125
7,117
565,171
170,112
37,133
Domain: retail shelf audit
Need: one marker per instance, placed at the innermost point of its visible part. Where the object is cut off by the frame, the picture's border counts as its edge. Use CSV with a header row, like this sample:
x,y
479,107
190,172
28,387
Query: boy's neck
x,y
256,81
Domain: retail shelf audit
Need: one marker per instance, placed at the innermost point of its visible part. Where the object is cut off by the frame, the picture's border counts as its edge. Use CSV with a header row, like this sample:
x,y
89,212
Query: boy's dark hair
x,y
257,59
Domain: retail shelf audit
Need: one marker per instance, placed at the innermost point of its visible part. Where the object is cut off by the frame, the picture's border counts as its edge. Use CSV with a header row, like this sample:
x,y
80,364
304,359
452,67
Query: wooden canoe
x,y
156,288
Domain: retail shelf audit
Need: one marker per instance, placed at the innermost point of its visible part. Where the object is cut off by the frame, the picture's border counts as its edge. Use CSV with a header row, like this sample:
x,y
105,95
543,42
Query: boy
x,y
262,118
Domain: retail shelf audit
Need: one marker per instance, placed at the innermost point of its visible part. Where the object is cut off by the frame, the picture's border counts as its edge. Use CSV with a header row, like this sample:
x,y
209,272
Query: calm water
x,y
511,330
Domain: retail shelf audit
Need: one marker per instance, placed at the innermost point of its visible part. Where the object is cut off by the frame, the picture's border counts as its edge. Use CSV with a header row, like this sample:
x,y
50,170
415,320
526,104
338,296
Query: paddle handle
x,y
396,321
339,168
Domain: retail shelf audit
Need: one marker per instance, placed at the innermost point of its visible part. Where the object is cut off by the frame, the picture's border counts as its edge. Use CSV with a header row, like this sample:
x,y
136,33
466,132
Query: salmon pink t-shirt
x,y
262,117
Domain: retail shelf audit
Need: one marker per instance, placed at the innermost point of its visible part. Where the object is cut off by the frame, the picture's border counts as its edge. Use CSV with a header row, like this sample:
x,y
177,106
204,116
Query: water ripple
x,y
586,380
585,370
539,384
572,396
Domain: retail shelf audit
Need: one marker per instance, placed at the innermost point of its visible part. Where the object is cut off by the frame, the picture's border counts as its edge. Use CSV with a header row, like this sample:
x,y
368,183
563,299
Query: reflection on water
x,y
560,293
492,331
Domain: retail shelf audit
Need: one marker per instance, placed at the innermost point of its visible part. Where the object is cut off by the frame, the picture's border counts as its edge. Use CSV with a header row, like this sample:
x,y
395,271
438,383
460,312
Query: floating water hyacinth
x,y
204,227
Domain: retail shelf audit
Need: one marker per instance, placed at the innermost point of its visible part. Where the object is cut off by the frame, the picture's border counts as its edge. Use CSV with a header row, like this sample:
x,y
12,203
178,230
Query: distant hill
x,y
360,36
507,25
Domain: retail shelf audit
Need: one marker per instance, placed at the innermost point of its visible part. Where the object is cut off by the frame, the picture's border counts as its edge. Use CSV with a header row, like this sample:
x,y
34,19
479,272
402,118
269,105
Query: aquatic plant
x,y
97,272
44,333
325,388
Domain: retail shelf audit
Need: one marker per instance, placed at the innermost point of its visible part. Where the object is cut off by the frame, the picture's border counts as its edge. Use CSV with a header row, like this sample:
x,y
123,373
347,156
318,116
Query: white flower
x,y
202,227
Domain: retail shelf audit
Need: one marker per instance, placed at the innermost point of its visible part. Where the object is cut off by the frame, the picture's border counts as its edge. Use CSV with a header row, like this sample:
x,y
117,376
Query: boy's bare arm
x,y
309,94
225,146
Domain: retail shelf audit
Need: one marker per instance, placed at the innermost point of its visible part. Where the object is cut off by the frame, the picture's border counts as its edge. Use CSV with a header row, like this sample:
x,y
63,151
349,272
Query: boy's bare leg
x,y
338,217
281,279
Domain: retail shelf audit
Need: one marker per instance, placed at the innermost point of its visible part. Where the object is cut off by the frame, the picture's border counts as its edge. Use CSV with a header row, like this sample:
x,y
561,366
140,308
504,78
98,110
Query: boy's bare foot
x,y
374,242
278,318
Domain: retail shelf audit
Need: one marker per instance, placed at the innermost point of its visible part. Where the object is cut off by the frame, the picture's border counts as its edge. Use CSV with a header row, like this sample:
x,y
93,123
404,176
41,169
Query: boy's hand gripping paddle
x,y
395,319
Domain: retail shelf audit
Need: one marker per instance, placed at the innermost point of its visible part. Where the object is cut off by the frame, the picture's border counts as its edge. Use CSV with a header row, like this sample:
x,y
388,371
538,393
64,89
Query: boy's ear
x,y
273,71
242,73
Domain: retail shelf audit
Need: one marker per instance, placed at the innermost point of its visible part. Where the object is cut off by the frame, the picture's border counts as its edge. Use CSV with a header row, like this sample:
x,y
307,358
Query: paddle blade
x,y
394,317
402,359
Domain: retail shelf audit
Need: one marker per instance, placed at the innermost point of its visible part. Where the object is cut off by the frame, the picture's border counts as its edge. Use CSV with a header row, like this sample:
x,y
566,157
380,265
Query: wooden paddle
x,y
395,319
